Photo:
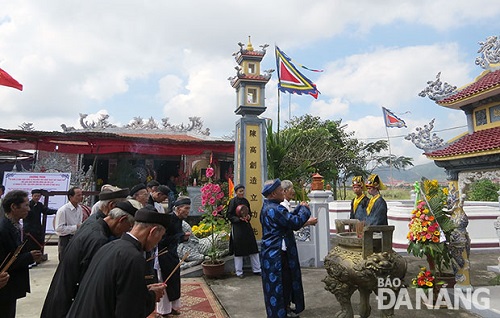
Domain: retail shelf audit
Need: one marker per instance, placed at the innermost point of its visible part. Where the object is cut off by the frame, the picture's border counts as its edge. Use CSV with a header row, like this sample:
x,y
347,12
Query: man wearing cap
x,y
68,219
242,239
360,202
108,198
114,284
281,275
376,210
140,194
170,303
80,251
157,196
32,225
152,186
97,205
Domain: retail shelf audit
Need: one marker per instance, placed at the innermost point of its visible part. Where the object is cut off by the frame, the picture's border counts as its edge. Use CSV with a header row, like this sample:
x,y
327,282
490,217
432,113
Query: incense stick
x,y
50,236
35,240
176,267
157,255
5,259
13,258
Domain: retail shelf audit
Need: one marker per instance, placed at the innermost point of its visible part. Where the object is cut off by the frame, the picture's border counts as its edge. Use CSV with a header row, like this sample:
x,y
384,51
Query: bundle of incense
x,y
163,251
13,258
176,267
50,236
35,240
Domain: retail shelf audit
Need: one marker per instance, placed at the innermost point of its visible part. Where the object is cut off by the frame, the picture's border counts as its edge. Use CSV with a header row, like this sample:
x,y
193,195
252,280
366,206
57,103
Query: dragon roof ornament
x,y
437,90
423,139
138,123
490,52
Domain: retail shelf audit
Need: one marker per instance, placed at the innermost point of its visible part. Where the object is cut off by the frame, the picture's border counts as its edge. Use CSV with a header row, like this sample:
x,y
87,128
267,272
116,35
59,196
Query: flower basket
x,y
431,285
430,226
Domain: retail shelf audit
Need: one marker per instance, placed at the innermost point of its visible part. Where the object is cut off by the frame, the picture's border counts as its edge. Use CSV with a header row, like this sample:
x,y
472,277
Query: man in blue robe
x,y
376,211
360,202
281,276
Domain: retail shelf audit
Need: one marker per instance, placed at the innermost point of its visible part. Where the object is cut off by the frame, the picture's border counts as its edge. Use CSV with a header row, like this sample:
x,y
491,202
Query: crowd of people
x,y
129,243
116,243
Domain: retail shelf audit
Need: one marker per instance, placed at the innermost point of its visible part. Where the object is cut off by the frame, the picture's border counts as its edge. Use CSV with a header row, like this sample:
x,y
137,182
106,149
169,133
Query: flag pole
x,y
390,155
289,107
279,97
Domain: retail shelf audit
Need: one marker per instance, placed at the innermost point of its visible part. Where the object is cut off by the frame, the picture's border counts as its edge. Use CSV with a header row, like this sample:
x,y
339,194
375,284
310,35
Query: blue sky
x,y
168,59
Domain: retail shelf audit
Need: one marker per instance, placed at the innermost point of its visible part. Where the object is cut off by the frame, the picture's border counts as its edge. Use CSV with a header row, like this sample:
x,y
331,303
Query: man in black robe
x,y
242,240
114,284
170,303
32,224
80,251
16,207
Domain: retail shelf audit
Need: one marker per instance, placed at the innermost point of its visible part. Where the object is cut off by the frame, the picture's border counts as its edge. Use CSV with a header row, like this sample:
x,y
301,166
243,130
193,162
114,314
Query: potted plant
x,y
213,205
430,227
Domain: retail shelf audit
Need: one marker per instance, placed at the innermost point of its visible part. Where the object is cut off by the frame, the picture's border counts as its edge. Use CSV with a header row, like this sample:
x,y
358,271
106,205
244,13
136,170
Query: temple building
x,y
474,155
137,152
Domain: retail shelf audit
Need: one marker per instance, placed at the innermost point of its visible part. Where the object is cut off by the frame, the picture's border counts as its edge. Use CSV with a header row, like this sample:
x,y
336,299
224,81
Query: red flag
x,y
391,120
290,79
7,80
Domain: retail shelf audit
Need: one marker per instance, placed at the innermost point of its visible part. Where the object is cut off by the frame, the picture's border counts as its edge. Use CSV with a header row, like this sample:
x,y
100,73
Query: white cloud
x,y
79,57
391,76
329,109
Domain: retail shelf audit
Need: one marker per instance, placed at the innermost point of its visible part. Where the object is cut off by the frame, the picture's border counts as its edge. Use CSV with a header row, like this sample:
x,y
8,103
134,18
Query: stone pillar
x,y
251,164
314,241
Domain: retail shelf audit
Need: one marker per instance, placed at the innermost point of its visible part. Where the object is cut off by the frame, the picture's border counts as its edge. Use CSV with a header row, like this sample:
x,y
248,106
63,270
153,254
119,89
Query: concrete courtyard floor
x,y
242,298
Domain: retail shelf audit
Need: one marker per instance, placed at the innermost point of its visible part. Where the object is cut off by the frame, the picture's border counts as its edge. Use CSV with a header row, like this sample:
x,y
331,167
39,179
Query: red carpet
x,y
198,301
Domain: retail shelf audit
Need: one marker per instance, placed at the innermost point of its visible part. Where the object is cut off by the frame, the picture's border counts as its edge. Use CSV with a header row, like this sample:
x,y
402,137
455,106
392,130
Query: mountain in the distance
x,y
428,170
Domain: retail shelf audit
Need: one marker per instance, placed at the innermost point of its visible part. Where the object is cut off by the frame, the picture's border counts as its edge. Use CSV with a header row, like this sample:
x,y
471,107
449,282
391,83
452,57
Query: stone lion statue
x,y
348,271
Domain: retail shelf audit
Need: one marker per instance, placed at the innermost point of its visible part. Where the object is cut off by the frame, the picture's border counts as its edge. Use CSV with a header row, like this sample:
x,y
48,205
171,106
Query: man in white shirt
x,y
68,219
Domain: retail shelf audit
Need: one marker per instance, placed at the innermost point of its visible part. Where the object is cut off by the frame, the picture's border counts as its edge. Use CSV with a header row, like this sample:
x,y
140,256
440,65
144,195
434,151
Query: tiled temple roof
x,y
469,145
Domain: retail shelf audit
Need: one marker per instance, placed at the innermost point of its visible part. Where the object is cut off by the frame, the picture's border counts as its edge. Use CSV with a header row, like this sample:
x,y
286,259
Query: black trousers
x,y
286,279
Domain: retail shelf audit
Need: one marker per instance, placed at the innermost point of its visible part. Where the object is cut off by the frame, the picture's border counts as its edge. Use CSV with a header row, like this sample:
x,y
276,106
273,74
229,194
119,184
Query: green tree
x,y
278,146
308,144
483,190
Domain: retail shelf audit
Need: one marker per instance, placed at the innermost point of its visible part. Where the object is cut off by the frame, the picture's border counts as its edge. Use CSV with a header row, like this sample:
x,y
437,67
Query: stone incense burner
x,y
357,263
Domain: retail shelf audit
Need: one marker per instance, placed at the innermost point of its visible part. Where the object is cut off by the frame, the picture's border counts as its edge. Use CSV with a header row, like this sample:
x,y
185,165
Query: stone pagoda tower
x,y
250,145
